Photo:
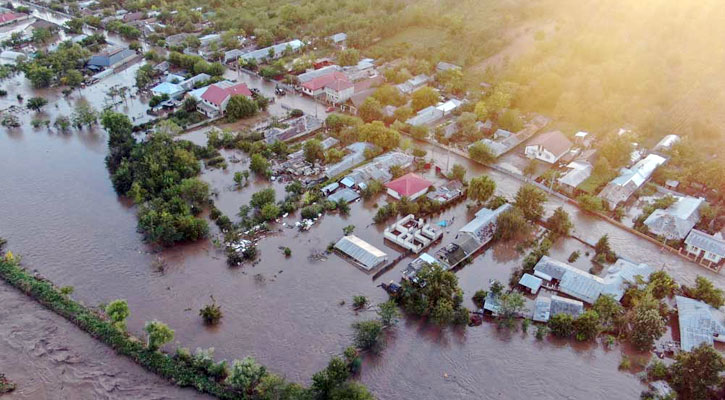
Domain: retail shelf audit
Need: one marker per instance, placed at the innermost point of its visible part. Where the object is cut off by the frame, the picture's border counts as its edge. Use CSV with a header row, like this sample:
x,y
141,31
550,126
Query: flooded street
x,y
59,211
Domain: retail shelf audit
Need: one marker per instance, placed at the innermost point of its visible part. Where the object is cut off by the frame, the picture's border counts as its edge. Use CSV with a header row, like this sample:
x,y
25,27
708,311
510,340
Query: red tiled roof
x,y
216,95
408,184
339,84
8,16
322,81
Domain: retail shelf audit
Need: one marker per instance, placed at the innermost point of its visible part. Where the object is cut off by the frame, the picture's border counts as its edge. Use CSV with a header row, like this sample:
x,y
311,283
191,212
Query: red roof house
x,y
317,85
409,185
217,95
8,17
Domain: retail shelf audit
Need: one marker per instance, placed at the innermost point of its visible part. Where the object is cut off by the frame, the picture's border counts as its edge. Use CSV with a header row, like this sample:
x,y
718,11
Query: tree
x,y
240,107
647,325
561,325
370,110
118,311
531,167
158,334
559,222
661,284
480,152
351,391
511,304
245,374
238,178
458,172
39,76
269,211
705,291
62,124
313,151
603,248
530,200
390,95
388,313
41,35
84,114
608,310
379,135
274,387
73,78
443,312
586,326
211,313
695,373
510,224
617,149
368,335
424,97
348,57
481,110
330,378
259,165
36,103
511,120
590,203
481,188
262,197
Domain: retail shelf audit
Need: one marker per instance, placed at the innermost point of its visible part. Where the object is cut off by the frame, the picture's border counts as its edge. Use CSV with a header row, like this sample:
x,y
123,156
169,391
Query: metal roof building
x,y
697,323
277,51
677,220
365,254
531,282
542,309
562,305
346,194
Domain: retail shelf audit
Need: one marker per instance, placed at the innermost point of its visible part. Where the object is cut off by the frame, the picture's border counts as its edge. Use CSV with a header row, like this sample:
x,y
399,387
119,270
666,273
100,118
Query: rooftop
x,y
409,184
701,240
361,251
555,142
676,221
698,324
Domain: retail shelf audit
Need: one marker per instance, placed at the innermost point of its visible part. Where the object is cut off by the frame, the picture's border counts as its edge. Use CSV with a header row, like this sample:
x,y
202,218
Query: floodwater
x,y
58,210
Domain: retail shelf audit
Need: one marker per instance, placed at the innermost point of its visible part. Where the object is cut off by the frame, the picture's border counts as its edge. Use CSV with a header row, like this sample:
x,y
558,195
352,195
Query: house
x,y
111,56
710,247
587,287
471,238
172,90
413,84
676,221
492,303
666,143
339,91
698,324
449,106
577,172
207,40
446,193
272,52
355,156
621,188
316,86
189,84
316,73
409,185
444,66
134,16
9,57
295,128
416,265
427,116
411,233
346,194
363,253
338,39
10,17
562,305
176,40
531,282
542,309
216,97
377,169
583,139
548,147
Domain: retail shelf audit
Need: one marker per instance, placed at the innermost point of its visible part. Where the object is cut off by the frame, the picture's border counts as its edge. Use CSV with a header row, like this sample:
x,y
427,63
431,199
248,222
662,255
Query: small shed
x,y
531,282
327,190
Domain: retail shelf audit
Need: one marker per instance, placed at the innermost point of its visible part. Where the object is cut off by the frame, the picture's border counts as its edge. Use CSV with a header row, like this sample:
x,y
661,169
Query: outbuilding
x,y
363,253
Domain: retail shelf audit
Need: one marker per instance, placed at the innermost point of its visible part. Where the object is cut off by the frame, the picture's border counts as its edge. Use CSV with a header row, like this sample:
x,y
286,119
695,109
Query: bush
x,y
359,301
561,325
368,335
211,313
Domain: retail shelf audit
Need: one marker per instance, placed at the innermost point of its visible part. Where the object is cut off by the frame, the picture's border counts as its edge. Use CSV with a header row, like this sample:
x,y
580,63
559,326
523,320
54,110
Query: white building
x,y
710,247
363,253
548,147
629,180
676,221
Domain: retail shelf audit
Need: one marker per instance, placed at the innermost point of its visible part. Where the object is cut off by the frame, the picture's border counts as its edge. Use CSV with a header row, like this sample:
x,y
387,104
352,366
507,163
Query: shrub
x,y
359,301
368,335
211,313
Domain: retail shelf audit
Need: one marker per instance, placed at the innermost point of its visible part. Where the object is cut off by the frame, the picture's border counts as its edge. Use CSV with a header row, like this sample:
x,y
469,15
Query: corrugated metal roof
x,y
697,323
706,242
361,251
531,282
562,305
347,194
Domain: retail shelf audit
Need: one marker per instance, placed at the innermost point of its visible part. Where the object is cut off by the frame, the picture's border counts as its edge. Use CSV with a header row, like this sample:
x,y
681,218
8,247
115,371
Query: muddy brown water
x,y
58,210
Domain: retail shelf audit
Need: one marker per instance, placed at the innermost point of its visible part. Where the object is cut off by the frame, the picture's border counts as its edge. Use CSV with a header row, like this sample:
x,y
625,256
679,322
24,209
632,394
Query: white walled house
x,y
339,91
548,147
710,247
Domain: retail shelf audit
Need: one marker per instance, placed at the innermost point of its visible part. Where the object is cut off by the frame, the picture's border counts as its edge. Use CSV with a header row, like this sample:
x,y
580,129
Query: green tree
x,y
348,57
481,188
559,222
259,165
158,334
705,291
661,284
351,391
617,149
269,211
378,134
313,151
424,97
240,107
530,200
590,203
211,313
39,76
586,326
118,311
144,76
262,197
458,172
36,103
647,325
370,110
511,305
245,374
512,223
84,115
330,378
695,373
368,335
72,78
608,310
480,152
388,313
561,325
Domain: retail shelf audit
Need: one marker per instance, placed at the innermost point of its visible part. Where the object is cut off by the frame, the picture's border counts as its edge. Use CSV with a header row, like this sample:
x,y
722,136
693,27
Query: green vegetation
x,y
359,301
704,290
481,188
240,107
117,312
5,385
159,174
46,69
440,299
530,200
211,313
480,152
559,223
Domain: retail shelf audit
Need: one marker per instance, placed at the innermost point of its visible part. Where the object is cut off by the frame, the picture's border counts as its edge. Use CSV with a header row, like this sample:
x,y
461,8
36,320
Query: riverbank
x,y
48,295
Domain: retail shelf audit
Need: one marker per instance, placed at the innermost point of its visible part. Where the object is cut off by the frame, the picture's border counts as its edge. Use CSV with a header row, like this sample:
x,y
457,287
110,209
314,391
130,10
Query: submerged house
x,y
363,253
677,220
110,57
698,323
578,172
548,147
471,238
710,247
416,265
629,180
409,185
